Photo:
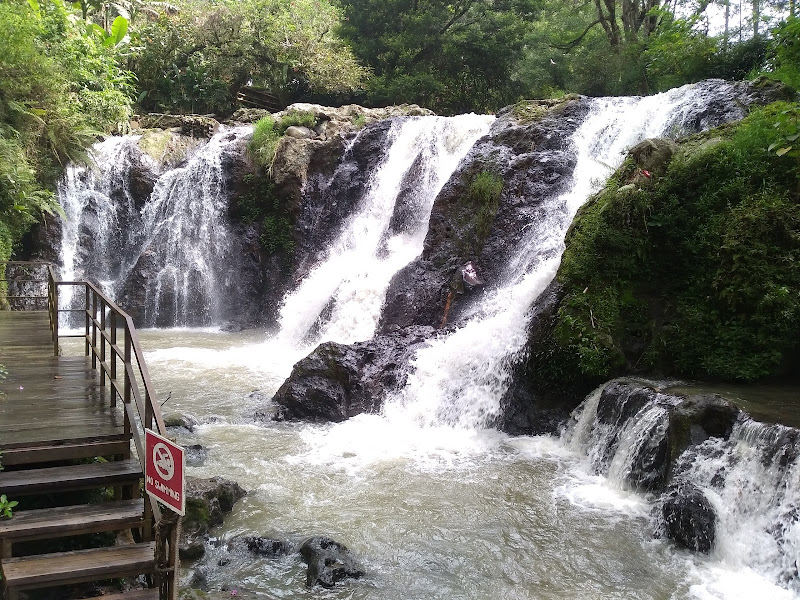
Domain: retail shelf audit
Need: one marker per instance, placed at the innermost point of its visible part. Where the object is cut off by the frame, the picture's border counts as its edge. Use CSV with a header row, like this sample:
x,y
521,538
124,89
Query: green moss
x,y
196,513
695,273
530,111
478,209
267,133
261,204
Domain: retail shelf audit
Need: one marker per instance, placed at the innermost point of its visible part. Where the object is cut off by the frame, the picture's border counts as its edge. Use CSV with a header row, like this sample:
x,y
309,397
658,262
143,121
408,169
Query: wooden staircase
x,y
65,440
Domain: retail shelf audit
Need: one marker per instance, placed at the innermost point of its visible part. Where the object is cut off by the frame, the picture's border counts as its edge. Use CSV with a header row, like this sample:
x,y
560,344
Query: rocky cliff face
x,y
532,160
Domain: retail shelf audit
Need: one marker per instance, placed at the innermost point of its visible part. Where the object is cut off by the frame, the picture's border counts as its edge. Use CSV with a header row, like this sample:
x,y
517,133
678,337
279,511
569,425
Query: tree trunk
x,y
756,16
726,39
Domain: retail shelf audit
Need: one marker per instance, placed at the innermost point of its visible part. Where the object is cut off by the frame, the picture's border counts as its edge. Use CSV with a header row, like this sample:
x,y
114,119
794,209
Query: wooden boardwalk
x,y
47,402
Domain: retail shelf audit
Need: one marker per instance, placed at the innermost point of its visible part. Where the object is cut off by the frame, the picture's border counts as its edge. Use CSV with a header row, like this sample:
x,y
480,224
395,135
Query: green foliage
x,y
267,132
451,57
261,205
264,141
6,505
696,273
478,207
60,86
197,58
785,53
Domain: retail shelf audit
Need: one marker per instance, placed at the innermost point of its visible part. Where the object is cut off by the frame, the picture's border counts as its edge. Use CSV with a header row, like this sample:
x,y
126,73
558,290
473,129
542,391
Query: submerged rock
x,y
338,381
328,562
689,518
267,547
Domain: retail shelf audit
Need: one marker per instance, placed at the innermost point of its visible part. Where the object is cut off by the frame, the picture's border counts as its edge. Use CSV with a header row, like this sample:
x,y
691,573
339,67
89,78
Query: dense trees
x,y
450,56
195,59
72,70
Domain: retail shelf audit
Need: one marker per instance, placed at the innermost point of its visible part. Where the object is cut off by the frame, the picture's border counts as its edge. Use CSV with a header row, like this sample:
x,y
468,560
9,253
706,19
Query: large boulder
x,y
338,381
656,428
529,154
328,562
207,503
688,517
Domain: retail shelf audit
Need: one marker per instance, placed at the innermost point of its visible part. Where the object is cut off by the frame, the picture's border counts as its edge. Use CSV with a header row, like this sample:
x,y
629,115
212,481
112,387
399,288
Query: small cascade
x,y
460,379
170,252
341,298
102,215
750,478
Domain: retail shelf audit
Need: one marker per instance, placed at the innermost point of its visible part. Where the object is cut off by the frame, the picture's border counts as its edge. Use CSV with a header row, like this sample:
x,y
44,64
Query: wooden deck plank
x,y
63,521
47,400
72,477
64,568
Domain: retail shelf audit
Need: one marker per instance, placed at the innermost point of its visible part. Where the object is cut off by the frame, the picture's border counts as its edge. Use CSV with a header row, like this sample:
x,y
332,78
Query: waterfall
x,y
459,379
751,478
753,482
341,298
175,252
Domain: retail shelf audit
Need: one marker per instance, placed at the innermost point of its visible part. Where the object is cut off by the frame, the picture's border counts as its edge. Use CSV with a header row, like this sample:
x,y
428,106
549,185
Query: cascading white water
x,y
98,204
460,379
753,482
351,281
178,240
189,237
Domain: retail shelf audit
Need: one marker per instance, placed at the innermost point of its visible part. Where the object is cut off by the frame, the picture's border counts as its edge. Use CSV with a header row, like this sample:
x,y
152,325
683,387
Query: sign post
x,y
164,471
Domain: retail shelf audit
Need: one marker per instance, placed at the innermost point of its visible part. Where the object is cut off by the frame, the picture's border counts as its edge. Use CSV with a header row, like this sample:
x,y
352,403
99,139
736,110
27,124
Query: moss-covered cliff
x,y
687,263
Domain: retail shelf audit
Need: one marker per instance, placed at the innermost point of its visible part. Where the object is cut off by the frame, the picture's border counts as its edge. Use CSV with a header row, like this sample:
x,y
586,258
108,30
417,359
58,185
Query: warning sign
x,y
163,473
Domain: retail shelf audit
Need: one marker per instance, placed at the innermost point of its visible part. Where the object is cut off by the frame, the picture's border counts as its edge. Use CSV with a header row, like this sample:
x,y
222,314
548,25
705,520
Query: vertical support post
x,y
102,341
94,330
126,396
86,315
114,356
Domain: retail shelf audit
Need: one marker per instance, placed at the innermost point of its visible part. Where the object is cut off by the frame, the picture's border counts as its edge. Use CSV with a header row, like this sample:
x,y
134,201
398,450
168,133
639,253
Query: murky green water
x,y
768,402
432,513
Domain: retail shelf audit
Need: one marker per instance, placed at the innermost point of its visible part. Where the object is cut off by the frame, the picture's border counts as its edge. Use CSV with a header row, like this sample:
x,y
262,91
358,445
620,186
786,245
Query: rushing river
x,y
431,512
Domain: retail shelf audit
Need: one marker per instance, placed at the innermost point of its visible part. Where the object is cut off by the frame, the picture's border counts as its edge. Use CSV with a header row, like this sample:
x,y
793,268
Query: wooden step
x,y
66,568
147,594
74,477
48,523
43,452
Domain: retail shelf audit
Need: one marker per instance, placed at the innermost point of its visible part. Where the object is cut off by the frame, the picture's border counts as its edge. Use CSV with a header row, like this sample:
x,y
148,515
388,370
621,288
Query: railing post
x,y
87,289
94,329
102,341
54,308
114,355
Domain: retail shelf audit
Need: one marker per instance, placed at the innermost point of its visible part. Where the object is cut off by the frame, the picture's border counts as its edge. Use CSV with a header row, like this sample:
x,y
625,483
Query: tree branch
x,y
570,45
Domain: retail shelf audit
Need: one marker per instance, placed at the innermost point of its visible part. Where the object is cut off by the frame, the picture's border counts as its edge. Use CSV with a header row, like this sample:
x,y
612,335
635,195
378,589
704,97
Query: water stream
x,y
433,502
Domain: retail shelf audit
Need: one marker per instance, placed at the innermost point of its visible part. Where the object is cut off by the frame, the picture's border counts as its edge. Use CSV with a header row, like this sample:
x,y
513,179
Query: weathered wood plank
x,y
59,449
65,568
73,477
72,520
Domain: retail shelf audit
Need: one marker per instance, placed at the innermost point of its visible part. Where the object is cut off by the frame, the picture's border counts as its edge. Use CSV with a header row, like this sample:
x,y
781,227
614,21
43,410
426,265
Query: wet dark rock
x,y
338,381
267,547
207,502
189,125
534,161
195,455
698,418
688,517
186,422
328,562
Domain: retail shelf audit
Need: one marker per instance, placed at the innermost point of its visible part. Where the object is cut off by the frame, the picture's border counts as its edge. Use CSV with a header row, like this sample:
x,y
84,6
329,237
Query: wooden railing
x,y
112,343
